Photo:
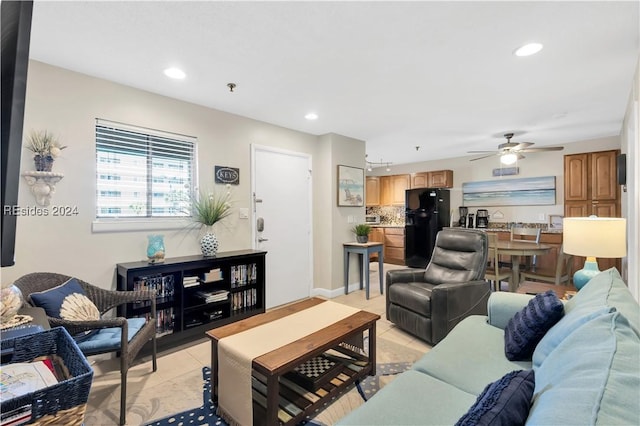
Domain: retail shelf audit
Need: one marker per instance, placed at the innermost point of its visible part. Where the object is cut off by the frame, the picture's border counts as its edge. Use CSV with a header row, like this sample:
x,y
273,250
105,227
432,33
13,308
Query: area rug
x,y
206,414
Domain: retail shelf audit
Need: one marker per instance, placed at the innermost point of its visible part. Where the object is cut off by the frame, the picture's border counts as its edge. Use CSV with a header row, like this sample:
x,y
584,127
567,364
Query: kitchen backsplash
x,y
389,215
394,216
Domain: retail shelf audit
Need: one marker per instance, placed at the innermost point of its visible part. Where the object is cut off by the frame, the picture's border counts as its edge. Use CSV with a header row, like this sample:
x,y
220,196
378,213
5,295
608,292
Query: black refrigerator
x,y
426,213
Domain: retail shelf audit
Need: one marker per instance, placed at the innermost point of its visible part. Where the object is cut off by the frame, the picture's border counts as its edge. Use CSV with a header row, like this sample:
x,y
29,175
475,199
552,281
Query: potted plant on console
x,y
207,210
362,232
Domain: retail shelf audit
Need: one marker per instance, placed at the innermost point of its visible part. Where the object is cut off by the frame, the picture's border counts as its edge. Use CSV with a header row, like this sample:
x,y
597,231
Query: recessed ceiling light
x,y
176,73
311,116
528,49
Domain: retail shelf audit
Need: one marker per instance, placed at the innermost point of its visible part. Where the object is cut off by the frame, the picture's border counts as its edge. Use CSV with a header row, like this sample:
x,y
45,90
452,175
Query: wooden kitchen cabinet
x,y
420,180
591,188
433,179
441,179
392,189
376,236
372,195
394,245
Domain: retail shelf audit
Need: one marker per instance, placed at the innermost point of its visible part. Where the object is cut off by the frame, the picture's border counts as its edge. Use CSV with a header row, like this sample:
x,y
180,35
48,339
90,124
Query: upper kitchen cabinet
x,y
441,179
392,189
372,191
433,179
590,185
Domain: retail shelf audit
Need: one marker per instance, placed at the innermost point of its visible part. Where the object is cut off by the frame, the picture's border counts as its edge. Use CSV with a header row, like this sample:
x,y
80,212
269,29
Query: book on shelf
x,y
213,296
17,416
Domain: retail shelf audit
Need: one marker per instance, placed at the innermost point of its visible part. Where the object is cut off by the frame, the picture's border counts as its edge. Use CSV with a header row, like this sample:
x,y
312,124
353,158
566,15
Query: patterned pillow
x,y
66,301
528,327
506,401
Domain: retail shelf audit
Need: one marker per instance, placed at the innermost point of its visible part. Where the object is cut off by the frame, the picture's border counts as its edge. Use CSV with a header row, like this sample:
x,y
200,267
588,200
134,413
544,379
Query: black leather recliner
x,y
429,303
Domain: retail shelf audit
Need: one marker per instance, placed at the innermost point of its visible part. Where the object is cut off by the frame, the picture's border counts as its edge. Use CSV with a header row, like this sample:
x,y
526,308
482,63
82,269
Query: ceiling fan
x,y
510,152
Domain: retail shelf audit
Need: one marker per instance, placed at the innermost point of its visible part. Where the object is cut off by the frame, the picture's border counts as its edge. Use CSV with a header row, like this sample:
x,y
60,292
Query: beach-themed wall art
x,y
533,191
350,186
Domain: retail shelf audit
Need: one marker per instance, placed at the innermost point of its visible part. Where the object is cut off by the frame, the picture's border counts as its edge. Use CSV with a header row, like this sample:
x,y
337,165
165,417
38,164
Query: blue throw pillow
x,y
504,402
528,327
66,301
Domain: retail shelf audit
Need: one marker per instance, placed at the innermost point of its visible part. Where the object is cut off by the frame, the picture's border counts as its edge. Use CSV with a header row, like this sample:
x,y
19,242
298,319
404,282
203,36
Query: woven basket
x,y
65,402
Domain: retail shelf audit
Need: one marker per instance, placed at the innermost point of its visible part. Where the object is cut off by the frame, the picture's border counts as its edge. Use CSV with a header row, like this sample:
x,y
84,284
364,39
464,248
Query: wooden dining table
x,y
516,249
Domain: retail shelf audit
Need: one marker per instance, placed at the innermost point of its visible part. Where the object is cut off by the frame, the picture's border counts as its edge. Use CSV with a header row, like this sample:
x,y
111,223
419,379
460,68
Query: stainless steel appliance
x,y
372,219
427,212
463,216
482,218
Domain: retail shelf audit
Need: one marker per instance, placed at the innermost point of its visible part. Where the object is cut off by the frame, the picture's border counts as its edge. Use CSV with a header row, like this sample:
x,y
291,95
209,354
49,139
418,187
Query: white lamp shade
x,y
595,236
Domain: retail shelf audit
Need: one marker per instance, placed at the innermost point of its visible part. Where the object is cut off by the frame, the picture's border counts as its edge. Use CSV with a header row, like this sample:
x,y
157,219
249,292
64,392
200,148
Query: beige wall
x,y
630,140
67,104
535,164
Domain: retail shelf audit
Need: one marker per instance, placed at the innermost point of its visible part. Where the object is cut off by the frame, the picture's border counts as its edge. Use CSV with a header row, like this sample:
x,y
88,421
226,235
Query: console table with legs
x,y
364,251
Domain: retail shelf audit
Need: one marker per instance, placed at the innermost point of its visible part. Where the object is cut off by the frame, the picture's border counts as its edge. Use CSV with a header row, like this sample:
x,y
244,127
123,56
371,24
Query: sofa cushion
x,y
412,398
471,356
66,301
607,289
528,326
604,293
503,402
415,296
591,377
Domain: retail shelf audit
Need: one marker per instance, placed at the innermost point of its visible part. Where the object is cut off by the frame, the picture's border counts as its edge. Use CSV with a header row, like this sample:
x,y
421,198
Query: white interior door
x,y
281,185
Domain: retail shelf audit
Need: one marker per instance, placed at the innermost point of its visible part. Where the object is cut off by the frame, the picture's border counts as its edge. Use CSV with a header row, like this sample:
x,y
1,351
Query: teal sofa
x,y
587,366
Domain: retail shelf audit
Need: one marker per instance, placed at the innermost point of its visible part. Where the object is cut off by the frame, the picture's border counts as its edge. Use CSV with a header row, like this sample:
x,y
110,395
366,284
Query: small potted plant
x,y
45,148
362,232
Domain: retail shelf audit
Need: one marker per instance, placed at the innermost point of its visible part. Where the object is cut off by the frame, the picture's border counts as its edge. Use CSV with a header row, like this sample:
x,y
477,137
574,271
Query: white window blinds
x,y
142,172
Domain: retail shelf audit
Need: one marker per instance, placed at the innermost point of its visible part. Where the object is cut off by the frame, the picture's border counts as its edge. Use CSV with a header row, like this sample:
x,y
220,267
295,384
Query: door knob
x,y
260,239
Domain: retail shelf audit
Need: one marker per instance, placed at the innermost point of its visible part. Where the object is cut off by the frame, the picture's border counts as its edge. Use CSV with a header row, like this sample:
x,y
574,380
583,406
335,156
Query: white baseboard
x,y
330,294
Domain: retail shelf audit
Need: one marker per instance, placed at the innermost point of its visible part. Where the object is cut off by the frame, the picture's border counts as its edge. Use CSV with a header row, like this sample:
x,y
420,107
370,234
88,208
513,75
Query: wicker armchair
x,y
105,300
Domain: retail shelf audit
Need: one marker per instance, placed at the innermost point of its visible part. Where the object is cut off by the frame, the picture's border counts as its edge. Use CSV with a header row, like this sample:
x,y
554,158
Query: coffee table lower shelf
x,y
297,403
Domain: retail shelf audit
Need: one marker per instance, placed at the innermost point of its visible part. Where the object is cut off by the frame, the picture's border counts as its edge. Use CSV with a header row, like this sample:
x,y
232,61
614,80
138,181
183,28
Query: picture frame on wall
x,y
555,221
350,186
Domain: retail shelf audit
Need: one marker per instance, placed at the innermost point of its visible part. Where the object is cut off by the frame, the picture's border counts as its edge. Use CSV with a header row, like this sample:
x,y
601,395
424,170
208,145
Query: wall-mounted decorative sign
x,y
510,192
350,186
506,171
229,175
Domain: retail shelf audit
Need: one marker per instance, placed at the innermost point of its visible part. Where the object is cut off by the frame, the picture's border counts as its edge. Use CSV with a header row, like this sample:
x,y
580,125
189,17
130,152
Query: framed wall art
x,y
350,186
534,191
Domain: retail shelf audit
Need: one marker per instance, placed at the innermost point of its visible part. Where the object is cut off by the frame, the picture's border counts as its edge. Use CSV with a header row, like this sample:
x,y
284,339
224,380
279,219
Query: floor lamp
x,y
593,237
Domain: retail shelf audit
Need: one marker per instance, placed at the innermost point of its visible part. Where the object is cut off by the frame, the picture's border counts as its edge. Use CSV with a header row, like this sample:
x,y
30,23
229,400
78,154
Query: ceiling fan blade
x,y
484,156
551,148
481,152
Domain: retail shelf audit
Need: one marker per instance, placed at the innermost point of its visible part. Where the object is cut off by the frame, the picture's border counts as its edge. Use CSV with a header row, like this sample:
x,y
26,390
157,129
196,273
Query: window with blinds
x,y
142,173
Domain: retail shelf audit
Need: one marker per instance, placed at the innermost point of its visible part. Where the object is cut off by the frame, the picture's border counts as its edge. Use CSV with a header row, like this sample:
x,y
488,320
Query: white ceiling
x,y
439,75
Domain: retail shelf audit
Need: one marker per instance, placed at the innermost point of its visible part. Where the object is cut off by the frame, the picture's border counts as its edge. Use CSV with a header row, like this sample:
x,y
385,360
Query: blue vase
x,y
155,248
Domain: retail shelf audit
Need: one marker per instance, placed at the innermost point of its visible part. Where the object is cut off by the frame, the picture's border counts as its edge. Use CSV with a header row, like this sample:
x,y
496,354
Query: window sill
x,y
128,225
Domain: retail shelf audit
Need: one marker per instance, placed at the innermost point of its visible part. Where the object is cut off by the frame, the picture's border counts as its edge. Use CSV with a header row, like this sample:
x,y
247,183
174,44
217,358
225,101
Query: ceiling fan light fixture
x,y
508,158
311,116
528,49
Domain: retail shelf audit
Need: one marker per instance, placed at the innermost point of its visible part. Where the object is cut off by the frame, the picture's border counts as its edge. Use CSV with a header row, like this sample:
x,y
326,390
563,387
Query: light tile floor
x,y
169,390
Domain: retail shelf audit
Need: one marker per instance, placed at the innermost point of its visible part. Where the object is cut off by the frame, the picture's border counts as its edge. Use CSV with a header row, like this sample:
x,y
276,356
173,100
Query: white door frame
x,y
254,233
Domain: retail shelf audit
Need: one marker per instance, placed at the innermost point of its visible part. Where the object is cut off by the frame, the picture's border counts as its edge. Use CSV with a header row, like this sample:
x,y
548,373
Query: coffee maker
x,y
482,218
463,216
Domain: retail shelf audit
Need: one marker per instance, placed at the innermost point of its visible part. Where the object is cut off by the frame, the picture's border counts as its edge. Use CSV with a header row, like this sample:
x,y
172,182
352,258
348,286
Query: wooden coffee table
x,y
278,400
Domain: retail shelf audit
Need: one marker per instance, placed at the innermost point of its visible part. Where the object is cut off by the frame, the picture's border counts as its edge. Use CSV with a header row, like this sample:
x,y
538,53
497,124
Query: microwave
x,y
372,219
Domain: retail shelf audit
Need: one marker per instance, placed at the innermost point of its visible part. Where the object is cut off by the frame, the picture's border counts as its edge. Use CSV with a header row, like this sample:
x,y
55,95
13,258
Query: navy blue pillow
x,y
504,402
527,327
66,301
